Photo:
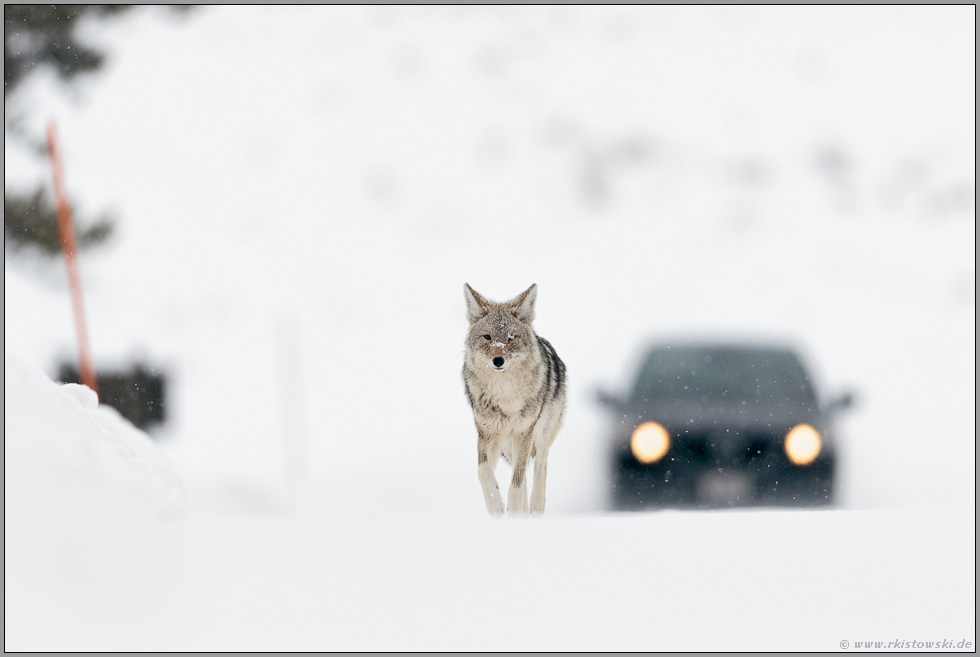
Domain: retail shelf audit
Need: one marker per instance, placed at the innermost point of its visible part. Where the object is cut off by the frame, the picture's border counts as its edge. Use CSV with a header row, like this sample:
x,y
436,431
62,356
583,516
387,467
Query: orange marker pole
x,y
68,246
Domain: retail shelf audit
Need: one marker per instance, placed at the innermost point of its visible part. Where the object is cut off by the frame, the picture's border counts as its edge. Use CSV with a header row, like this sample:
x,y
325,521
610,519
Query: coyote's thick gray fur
x,y
515,383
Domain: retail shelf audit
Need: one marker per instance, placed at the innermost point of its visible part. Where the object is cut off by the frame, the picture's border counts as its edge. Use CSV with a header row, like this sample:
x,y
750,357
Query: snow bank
x,y
65,455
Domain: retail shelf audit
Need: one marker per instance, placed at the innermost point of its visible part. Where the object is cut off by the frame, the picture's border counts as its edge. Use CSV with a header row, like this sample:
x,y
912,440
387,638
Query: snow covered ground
x,y
803,175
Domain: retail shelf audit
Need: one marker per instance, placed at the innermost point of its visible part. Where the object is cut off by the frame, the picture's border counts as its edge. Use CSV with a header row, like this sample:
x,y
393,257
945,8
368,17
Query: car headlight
x,y
802,444
650,442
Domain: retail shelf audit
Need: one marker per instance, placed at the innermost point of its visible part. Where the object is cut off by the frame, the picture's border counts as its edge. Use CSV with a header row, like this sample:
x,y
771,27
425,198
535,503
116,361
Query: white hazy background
x,y
300,194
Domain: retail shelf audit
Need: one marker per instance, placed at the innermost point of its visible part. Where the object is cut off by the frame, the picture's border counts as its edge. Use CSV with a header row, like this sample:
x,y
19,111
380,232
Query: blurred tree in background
x,y
36,37
43,35
33,220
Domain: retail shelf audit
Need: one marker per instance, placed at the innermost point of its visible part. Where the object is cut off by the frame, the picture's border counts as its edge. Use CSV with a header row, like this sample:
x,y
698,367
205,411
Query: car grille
x,y
727,449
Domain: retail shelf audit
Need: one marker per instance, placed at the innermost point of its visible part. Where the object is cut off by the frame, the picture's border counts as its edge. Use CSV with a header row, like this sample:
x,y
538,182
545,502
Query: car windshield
x,y
722,376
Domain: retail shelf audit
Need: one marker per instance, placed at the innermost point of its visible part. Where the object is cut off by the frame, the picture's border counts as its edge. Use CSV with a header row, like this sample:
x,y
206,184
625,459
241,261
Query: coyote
x,y
515,384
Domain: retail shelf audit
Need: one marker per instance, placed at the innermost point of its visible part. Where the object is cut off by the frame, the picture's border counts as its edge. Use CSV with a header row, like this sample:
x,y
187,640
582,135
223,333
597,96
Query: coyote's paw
x,y
537,504
516,502
495,505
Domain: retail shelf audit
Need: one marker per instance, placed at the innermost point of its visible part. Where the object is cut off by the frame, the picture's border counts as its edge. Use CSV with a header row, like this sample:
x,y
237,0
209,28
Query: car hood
x,y
738,416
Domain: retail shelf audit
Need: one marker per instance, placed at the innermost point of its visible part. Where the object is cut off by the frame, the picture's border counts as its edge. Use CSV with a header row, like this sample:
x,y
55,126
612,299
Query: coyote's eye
x,y
511,337
486,337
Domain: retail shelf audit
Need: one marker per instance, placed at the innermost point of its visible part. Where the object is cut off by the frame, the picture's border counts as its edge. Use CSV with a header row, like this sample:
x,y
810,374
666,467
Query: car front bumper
x,y
680,482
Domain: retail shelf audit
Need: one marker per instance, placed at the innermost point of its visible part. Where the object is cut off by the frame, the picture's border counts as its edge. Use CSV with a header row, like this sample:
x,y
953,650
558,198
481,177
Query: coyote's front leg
x,y
491,492
540,479
517,495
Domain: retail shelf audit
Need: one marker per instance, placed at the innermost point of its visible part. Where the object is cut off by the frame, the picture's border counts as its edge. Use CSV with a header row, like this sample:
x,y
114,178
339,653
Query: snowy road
x,y
751,580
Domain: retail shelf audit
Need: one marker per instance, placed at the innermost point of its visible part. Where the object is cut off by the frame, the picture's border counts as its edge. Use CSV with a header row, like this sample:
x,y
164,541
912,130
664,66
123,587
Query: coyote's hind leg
x,y
542,443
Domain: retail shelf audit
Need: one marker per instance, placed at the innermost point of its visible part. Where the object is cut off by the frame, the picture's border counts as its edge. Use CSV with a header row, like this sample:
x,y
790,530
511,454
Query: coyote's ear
x,y
523,304
476,306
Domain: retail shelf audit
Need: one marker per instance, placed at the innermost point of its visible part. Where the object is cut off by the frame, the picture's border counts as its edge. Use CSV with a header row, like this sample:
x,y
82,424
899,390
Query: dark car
x,y
710,425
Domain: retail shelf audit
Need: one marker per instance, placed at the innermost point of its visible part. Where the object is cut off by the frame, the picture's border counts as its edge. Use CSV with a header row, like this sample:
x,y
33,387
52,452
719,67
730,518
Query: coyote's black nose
x,y
498,361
